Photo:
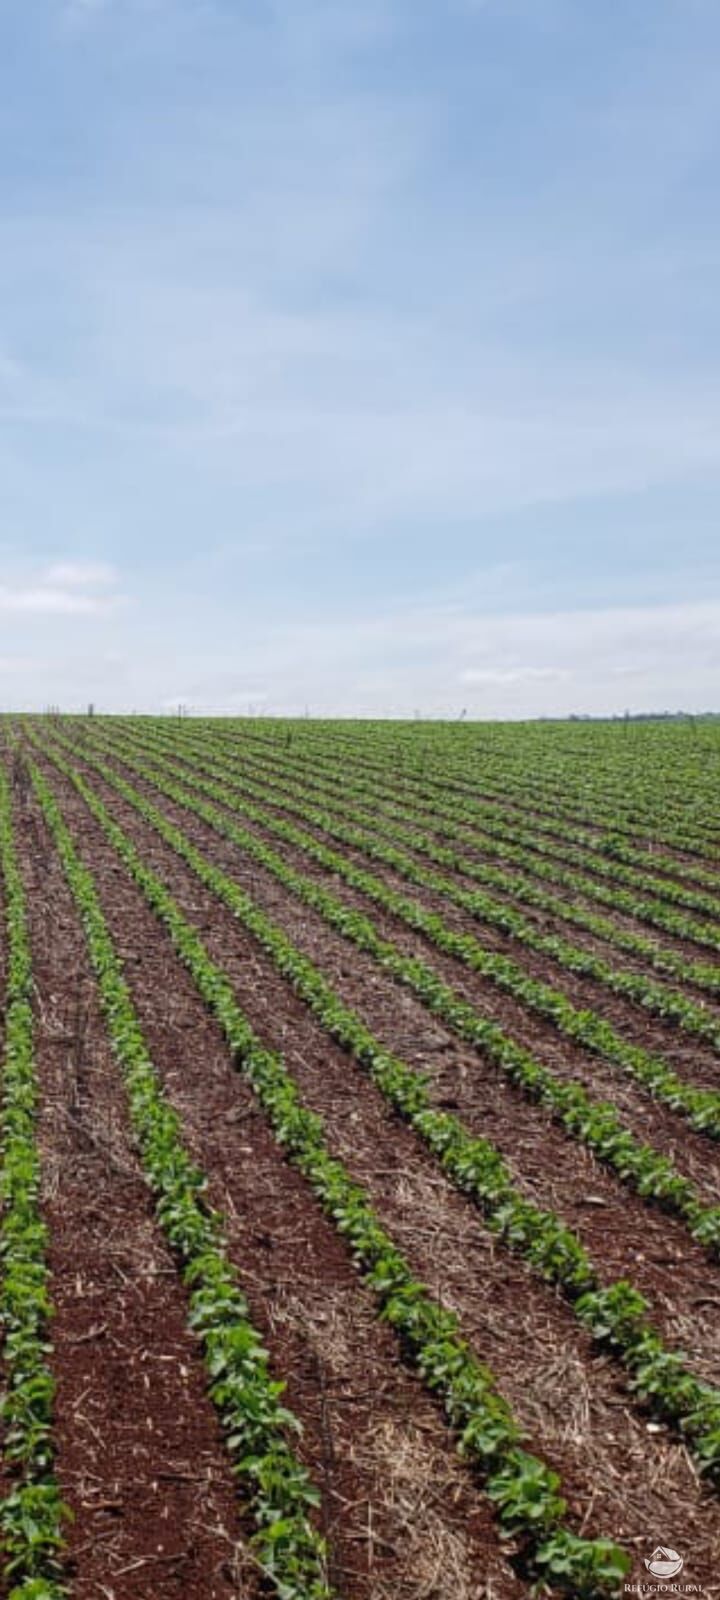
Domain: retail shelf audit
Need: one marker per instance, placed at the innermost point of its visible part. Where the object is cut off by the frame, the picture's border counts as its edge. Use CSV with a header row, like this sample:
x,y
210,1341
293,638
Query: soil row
x,y
140,1457
520,807
348,968
140,1460
690,1057
474,852
619,1474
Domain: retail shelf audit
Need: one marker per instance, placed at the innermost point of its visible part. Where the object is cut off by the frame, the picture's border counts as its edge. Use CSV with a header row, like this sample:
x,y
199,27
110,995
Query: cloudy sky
x,y
360,355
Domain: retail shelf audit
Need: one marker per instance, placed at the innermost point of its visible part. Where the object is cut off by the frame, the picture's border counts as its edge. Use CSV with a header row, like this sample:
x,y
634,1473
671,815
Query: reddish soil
x,y
140,1458
576,1407
685,1053
375,817
617,1225
399,1510
552,813
649,1120
683,864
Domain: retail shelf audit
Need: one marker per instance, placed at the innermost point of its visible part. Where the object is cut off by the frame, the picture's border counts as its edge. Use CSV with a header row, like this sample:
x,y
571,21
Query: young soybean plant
x,y
524,1489
257,1425
595,1123
32,1514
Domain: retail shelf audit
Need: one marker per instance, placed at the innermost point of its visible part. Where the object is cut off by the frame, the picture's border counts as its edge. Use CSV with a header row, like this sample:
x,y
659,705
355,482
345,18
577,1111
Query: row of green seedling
x,y
521,782
701,1107
615,1315
685,1013
590,1121
639,778
616,781
604,854
687,821
514,844
502,795
257,1425
370,803
523,1489
32,1515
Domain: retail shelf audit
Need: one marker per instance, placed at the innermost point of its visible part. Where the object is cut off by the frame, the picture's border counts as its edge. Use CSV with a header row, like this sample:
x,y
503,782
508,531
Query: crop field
x,y
360,1182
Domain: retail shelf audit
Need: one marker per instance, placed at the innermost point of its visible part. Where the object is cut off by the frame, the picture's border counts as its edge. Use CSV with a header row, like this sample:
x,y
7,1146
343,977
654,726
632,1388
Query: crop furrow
x,y
616,1315
523,1489
32,1515
700,1106
249,1401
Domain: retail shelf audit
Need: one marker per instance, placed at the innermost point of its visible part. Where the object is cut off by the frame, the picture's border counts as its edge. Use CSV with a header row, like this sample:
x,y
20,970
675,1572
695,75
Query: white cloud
x,y
432,659
66,588
49,601
504,675
441,660
82,575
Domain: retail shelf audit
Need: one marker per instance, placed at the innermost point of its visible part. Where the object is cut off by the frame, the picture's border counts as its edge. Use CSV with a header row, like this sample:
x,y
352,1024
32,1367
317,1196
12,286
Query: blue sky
x,y
360,356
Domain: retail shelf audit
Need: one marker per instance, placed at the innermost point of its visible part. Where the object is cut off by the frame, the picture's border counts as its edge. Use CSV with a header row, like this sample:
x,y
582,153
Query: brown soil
x,y
254,752
623,1233
619,1475
649,1120
400,1512
685,1053
140,1459
551,813
472,850
526,808
693,1059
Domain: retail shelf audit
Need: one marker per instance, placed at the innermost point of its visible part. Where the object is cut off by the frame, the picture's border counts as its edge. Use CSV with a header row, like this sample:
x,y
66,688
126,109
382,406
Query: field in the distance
x,y
360,1193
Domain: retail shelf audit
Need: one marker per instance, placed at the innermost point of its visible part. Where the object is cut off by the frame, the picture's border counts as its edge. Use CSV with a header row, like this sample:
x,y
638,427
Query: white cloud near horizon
x,y
62,589
442,660
436,660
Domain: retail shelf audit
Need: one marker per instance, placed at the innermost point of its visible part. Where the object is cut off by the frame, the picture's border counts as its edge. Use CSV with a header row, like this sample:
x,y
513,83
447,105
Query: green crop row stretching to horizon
x,y
413,1027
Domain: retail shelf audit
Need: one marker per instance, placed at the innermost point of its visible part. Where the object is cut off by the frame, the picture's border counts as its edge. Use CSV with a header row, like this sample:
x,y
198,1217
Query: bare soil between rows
x,y
624,1234
693,1058
401,1514
649,1120
140,1459
473,851
529,811
574,1403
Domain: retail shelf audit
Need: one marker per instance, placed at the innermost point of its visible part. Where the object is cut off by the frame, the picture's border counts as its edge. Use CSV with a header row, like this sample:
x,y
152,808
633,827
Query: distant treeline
x,y
639,716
